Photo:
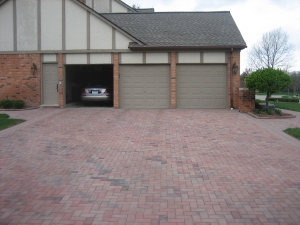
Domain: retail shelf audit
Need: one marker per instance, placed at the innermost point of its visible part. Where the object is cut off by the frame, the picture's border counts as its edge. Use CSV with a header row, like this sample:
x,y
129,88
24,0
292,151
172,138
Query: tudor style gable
x,y
56,25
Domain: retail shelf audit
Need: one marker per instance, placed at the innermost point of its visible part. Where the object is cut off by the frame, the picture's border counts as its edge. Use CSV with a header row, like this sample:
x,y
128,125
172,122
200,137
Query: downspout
x,y
230,74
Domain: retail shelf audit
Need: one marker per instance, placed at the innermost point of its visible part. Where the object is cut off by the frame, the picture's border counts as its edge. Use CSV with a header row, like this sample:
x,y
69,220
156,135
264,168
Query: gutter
x,y
230,74
140,48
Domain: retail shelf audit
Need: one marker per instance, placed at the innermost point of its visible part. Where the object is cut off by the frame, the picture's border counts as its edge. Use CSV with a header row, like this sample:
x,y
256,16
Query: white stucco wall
x,y
6,27
103,58
101,6
76,59
131,58
101,34
118,8
157,58
76,26
49,58
51,25
89,3
27,36
122,42
190,57
214,57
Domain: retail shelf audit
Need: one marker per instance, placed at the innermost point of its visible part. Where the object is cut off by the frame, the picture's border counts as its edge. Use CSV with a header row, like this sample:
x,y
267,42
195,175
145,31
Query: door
x,y
202,86
50,84
145,86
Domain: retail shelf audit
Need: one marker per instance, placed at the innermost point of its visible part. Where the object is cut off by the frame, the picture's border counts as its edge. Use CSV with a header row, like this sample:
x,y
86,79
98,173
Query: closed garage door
x,y
143,86
202,86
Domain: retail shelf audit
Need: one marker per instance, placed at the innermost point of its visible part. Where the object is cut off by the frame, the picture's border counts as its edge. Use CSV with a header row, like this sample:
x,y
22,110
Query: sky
x,y
253,18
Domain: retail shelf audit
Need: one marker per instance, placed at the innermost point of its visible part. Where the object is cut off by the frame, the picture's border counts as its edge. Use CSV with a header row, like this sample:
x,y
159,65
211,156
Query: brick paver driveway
x,y
105,166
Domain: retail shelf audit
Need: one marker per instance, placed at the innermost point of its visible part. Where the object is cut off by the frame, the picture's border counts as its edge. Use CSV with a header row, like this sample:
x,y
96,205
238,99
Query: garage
x,y
79,77
145,86
202,86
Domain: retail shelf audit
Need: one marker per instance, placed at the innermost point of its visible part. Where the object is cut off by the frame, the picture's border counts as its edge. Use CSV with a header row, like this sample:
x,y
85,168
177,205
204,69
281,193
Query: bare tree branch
x,y
274,51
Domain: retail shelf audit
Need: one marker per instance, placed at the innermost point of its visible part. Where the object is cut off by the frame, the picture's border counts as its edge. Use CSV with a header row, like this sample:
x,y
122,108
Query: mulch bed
x,y
264,115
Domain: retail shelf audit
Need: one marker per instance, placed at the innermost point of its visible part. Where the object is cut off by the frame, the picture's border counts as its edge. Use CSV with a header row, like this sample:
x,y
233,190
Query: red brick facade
x,y
116,81
234,58
173,81
246,100
16,79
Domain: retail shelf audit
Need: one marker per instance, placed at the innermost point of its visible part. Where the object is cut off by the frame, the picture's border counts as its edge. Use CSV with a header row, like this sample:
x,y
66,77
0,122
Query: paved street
x,y
157,167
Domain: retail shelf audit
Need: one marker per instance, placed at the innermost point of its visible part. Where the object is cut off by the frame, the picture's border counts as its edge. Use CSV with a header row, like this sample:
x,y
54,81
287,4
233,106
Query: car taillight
x,y
107,91
83,91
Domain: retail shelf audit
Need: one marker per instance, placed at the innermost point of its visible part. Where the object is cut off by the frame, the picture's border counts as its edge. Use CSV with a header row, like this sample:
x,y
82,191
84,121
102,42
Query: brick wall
x,y
246,100
116,81
17,80
173,81
235,58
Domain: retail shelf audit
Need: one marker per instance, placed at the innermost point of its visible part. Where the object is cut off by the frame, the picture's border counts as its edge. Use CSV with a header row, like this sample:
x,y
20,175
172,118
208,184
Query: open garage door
x,y
145,86
88,77
202,86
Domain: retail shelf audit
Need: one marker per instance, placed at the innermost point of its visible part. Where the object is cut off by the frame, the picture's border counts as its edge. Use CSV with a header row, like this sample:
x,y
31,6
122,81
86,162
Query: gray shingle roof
x,y
180,29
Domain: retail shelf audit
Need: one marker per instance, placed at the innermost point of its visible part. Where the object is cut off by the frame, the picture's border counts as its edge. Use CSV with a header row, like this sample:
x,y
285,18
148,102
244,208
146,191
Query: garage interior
x,y
79,76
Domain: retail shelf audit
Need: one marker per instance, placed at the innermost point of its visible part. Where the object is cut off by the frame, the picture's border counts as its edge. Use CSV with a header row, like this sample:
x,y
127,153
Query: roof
x,y
180,29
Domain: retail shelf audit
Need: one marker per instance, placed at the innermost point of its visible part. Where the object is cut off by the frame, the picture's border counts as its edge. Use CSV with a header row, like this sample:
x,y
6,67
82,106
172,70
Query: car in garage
x,y
97,92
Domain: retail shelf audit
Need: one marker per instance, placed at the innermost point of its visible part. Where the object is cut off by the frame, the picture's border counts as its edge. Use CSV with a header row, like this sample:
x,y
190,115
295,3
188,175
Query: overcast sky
x,y
253,17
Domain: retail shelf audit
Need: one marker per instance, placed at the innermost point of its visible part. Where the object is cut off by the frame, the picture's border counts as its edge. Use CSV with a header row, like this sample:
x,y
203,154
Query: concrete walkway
x,y
106,166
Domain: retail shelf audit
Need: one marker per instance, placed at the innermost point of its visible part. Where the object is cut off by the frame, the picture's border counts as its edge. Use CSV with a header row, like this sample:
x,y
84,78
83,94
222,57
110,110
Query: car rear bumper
x,y
95,98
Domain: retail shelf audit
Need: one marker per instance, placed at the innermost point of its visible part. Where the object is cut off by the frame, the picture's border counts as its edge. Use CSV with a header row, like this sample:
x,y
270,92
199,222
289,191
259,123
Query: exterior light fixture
x,y
33,68
234,68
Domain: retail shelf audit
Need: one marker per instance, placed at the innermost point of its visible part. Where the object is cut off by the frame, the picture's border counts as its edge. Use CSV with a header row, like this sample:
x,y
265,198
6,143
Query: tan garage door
x,y
202,86
143,86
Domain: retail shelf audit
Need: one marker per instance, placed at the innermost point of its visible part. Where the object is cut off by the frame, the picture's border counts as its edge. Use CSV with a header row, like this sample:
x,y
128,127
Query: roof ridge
x,y
168,12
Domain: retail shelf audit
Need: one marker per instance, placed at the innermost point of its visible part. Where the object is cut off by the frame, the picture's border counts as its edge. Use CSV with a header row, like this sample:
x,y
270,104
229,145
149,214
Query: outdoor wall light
x,y
33,68
234,68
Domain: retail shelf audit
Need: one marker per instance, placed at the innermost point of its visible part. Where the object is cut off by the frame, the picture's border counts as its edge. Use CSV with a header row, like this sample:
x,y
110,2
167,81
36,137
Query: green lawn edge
x,y
294,132
6,122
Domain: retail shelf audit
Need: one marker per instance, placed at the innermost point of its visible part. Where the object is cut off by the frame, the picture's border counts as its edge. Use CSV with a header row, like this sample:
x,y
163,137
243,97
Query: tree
x,y
244,76
136,6
274,51
295,76
268,80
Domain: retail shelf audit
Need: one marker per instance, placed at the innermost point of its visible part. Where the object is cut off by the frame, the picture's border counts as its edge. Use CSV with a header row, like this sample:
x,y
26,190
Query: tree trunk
x,y
267,101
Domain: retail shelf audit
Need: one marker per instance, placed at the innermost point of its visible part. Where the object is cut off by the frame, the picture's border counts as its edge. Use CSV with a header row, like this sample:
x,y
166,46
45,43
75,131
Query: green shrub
x,y
2,102
6,104
257,101
257,111
278,112
269,112
18,104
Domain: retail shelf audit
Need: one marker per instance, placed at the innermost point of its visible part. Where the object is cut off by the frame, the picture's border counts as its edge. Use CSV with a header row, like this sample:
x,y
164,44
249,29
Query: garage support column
x,y
61,85
116,80
235,58
173,80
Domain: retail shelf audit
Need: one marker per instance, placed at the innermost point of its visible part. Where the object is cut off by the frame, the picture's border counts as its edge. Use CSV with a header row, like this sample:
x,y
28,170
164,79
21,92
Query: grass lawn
x,y
295,132
293,106
6,122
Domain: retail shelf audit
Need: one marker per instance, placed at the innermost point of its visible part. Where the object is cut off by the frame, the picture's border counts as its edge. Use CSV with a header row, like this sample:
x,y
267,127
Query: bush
x,y
18,104
257,101
278,112
6,104
284,99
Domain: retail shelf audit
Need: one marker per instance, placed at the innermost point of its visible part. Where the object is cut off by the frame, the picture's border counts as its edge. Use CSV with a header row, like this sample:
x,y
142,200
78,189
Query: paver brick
x,y
105,166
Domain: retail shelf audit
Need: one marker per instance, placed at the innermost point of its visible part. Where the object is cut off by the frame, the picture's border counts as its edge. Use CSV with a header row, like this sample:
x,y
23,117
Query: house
x,y
48,48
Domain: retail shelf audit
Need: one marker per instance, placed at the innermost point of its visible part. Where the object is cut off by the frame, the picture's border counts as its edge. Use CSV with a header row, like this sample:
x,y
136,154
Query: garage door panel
x,y
208,91
219,91
201,86
220,103
149,85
